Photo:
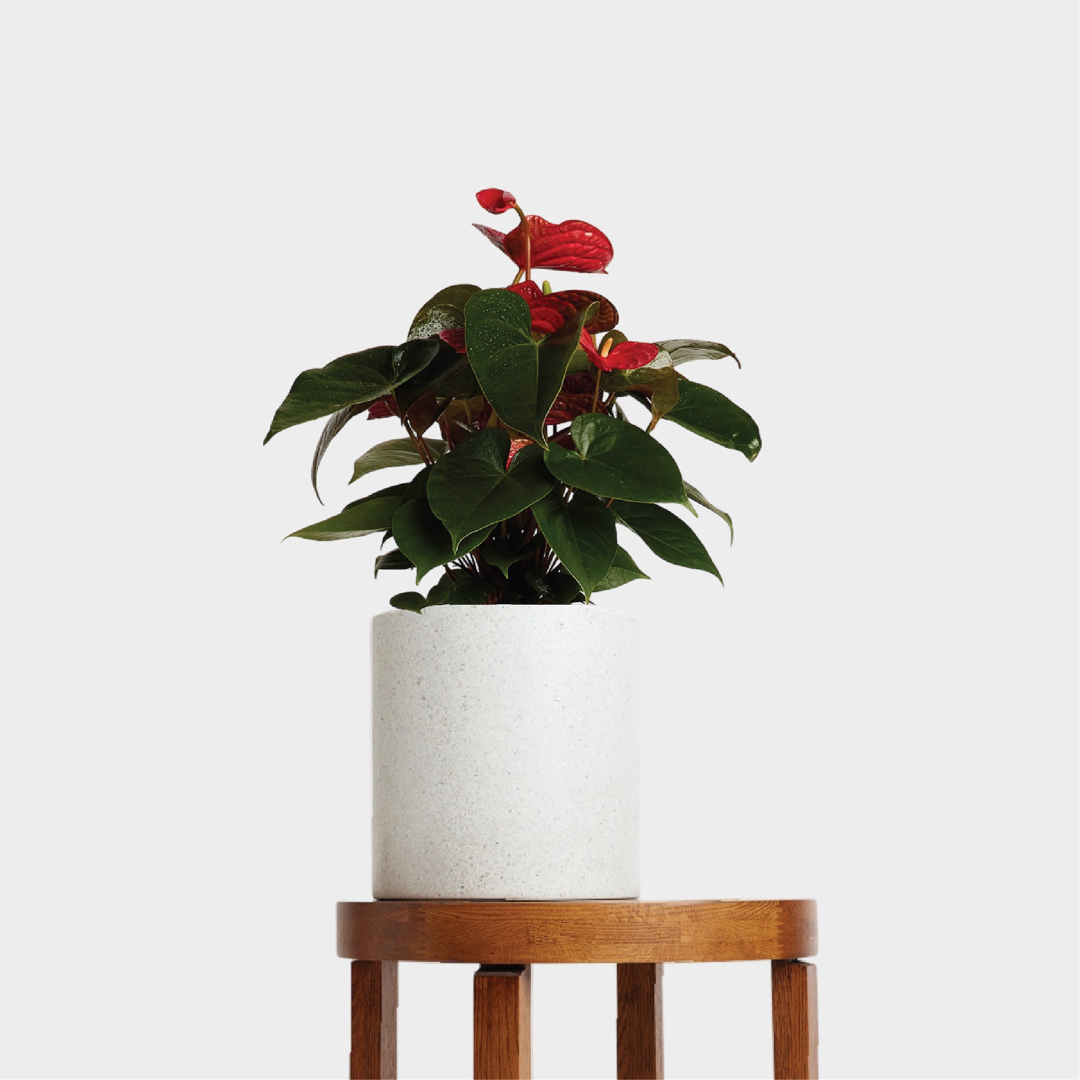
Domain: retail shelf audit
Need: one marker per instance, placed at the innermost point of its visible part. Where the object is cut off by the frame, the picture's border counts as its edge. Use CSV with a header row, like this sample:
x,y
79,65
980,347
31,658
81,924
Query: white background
x,y
872,203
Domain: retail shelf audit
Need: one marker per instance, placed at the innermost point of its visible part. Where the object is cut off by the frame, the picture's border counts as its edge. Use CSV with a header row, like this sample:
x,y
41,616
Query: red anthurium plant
x,y
512,409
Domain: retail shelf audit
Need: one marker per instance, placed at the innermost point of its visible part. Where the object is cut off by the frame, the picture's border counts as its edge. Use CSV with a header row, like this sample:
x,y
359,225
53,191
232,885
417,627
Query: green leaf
x,y
502,554
333,426
444,311
660,385
702,501
442,374
682,350
393,560
424,539
581,533
372,514
411,358
351,380
463,590
519,376
616,460
467,590
666,535
394,452
707,413
470,488
409,601
623,570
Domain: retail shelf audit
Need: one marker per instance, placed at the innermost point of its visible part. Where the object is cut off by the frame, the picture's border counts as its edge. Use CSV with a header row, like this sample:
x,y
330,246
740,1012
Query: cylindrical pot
x,y
505,753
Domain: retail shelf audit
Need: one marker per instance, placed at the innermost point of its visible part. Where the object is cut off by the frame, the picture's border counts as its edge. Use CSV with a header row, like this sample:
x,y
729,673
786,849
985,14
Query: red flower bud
x,y
495,201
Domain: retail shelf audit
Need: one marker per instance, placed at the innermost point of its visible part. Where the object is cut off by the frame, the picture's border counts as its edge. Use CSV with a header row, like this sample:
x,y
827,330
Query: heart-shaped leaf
x,y
700,499
424,539
666,535
616,460
351,380
581,533
623,570
371,514
502,554
682,350
471,489
333,426
394,452
520,376
707,413
444,311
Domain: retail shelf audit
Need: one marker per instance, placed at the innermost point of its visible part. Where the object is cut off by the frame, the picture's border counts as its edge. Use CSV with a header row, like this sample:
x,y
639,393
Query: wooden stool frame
x,y
505,938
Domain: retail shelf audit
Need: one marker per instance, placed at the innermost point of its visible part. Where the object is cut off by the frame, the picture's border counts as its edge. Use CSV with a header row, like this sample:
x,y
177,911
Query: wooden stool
x,y
506,937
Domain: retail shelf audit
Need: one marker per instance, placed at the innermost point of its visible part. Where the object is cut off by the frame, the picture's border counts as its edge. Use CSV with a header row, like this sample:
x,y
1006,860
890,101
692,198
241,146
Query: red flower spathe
x,y
568,245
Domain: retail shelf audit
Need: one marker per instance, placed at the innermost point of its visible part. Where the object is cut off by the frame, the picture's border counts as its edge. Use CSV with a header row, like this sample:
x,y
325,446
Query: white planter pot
x,y
505,753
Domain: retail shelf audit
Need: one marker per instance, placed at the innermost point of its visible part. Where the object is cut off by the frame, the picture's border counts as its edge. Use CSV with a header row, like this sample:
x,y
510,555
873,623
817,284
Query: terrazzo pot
x,y
505,753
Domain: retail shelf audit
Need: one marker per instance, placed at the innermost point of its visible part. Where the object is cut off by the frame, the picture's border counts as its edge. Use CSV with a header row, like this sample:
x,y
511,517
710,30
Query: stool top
x,y
577,932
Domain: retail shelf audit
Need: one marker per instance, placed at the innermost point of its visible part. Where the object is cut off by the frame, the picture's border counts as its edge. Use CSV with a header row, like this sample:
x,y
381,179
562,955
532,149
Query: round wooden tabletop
x,y
577,932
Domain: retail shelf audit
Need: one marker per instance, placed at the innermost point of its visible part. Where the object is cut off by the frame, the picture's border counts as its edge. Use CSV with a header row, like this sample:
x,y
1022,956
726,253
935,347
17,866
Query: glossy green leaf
x,y
470,487
623,570
351,380
666,535
707,413
422,537
444,311
394,452
581,533
333,426
616,460
502,554
462,589
393,560
371,514
682,350
409,601
700,499
660,385
448,374
519,376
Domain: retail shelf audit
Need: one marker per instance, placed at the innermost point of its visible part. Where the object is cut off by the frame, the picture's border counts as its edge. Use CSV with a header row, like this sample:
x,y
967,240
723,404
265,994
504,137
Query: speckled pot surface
x,y
505,753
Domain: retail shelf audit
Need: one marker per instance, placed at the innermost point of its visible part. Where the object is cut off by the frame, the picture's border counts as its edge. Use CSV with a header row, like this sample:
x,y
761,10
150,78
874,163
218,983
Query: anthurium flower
x,y
550,310
568,245
496,201
622,357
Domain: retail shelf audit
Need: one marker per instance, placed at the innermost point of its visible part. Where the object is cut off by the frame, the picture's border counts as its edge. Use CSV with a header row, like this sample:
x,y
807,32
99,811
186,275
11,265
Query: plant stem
x,y
596,389
528,244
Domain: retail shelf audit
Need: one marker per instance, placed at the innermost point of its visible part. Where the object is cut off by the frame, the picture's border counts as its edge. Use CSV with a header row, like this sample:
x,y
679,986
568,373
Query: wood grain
x,y
640,1023
502,1026
374,1020
795,1021
578,932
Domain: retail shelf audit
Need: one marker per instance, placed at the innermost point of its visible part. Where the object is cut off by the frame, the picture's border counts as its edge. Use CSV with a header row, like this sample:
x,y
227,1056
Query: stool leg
x,y
502,1027
640,1024
374,1020
795,1020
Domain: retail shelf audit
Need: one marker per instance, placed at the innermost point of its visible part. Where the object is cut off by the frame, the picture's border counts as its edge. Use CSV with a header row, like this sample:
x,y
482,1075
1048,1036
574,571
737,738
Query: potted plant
x,y
504,700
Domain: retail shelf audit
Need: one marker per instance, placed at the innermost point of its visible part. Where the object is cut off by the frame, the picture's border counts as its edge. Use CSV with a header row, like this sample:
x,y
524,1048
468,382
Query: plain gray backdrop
x,y
874,204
